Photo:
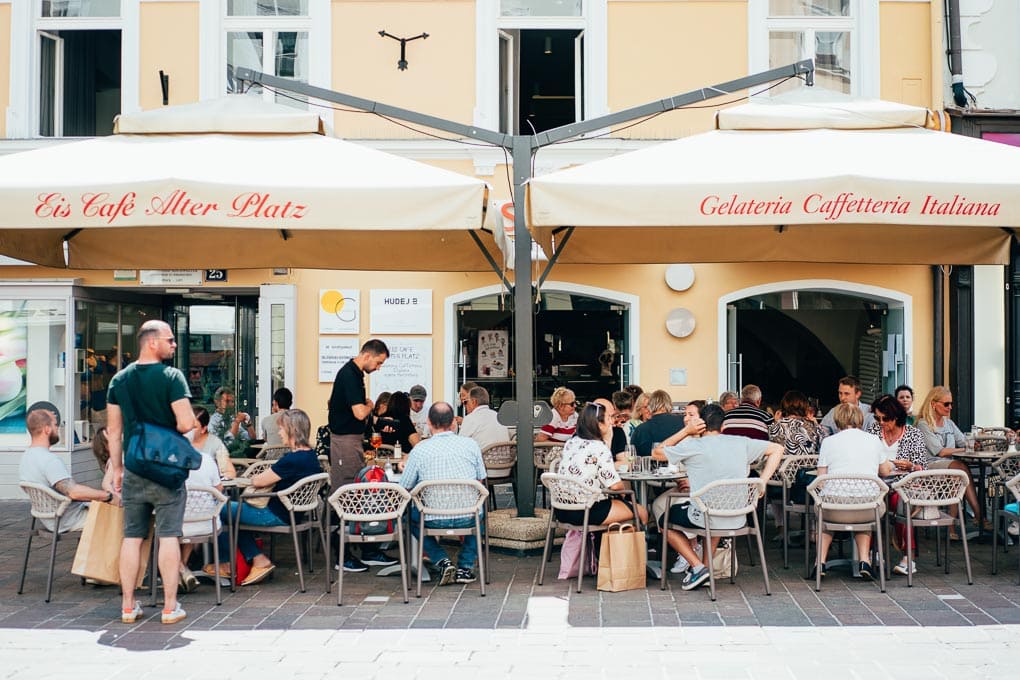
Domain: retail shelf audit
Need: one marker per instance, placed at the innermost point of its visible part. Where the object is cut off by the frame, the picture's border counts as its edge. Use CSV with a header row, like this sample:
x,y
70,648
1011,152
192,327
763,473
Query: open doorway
x,y
541,79
807,339
79,82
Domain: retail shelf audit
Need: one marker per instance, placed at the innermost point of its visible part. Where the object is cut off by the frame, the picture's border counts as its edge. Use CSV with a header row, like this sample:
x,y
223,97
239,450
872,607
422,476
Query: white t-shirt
x,y
208,474
852,452
483,426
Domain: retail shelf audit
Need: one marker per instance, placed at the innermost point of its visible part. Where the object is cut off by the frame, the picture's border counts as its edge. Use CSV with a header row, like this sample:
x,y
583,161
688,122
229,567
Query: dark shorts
x,y
142,497
596,514
678,516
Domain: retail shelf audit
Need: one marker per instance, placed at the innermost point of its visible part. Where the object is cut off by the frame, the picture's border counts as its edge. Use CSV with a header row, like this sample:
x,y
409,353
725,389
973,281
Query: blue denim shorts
x,y
142,497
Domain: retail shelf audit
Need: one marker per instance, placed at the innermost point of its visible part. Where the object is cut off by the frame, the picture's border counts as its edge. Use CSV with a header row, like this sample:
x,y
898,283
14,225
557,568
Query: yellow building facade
x,y
499,64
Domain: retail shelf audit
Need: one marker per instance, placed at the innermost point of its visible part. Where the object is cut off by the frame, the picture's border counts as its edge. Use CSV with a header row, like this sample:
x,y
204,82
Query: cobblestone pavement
x,y
940,628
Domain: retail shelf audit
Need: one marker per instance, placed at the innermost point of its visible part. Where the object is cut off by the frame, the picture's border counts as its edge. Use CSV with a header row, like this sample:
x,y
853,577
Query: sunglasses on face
x,y
947,404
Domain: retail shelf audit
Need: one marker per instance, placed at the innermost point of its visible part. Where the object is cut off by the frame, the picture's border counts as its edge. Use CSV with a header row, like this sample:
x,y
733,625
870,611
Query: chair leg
x,y
421,551
481,553
549,532
995,541
786,534
820,524
761,554
329,541
710,561
910,547
584,544
966,550
216,561
880,548
24,564
340,574
403,557
53,558
485,535
665,551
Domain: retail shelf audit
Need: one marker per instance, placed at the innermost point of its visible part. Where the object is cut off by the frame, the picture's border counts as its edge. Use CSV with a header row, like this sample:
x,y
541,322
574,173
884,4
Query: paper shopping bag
x,y
622,560
98,554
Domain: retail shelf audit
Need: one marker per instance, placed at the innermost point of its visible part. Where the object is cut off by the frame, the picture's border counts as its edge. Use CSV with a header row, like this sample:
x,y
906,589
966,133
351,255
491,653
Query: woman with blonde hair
x,y
564,420
943,439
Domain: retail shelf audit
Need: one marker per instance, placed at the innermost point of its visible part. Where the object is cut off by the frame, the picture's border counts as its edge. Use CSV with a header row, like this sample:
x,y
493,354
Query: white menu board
x,y
409,363
333,354
401,310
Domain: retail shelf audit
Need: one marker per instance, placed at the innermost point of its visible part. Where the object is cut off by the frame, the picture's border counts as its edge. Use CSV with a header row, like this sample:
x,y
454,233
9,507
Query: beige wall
x,y
169,42
906,49
440,79
659,49
5,66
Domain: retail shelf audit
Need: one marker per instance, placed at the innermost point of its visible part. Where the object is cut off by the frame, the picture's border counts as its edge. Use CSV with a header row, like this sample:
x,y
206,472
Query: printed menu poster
x,y
333,354
409,363
493,353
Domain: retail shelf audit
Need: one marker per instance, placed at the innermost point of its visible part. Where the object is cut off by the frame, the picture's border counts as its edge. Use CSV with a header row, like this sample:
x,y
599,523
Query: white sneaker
x,y
1013,529
680,566
901,568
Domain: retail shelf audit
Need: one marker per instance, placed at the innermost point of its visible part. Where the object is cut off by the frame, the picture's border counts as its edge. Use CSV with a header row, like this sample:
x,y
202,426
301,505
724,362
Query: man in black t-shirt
x,y
349,407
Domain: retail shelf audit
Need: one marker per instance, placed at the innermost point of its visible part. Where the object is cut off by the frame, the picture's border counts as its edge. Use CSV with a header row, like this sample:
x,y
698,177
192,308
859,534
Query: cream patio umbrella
x,y
849,182
235,183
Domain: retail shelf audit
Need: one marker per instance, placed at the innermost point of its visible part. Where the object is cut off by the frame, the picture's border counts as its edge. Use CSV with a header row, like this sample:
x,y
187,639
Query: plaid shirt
x,y
444,456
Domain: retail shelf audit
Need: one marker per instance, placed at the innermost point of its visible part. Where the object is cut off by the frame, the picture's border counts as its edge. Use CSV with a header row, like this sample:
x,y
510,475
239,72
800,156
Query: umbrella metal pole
x,y
524,331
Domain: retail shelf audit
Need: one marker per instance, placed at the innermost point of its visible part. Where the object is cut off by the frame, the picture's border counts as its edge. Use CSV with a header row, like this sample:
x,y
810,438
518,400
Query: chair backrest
x,y
46,502
256,467
303,495
567,493
370,502
545,453
204,504
791,465
449,497
499,459
934,488
324,463
1014,486
729,497
272,452
848,492
1007,466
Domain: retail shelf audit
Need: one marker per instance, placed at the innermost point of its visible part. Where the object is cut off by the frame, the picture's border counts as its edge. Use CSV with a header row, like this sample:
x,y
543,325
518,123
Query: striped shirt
x,y
747,420
559,430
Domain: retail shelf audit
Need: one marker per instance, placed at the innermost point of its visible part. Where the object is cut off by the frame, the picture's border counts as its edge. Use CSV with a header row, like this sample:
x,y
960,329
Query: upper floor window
x,y
81,8
271,37
839,35
540,8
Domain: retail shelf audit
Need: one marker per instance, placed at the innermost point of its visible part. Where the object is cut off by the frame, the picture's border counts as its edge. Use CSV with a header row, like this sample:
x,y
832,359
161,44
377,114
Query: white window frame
x,y
269,295
27,23
862,24
488,24
215,25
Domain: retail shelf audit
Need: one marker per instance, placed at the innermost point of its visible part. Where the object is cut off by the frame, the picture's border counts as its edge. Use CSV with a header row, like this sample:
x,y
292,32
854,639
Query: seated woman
x,y
943,438
904,448
795,427
397,425
851,451
211,445
587,459
207,475
692,410
301,462
564,420
378,411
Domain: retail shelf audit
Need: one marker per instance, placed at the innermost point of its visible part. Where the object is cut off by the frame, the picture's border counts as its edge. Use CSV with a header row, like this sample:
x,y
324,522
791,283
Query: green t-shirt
x,y
151,389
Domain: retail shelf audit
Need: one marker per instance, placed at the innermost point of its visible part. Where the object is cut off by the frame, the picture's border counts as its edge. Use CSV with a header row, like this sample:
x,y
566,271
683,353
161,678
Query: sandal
x,y
258,575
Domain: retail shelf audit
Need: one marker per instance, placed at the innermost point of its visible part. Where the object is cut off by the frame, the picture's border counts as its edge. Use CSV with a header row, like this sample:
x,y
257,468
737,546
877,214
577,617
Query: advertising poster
x,y
493,353
333,354
409,363
401,311
339,311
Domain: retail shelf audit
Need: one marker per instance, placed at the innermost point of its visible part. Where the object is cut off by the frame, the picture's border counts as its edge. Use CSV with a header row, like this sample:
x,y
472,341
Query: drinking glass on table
x,y
630,451
376,441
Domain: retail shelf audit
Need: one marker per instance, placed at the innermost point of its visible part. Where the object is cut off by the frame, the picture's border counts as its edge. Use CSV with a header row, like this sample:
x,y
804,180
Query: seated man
x,y
660,426
445,455
481,422
39,465
283,399
709,458
233,428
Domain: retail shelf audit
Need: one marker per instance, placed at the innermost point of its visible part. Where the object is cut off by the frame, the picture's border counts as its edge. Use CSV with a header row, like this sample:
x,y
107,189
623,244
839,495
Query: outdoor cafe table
x,y
641,480
981,460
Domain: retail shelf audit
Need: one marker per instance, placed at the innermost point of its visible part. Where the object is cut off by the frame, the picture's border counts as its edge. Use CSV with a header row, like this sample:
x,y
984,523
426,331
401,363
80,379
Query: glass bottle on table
x,y
631,454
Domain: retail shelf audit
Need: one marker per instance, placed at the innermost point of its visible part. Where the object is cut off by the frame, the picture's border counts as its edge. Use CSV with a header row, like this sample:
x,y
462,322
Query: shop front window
x,y
32,362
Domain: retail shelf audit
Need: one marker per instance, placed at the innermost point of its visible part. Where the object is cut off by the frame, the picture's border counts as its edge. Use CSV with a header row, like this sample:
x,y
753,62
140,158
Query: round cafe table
x,y
981,460
641,480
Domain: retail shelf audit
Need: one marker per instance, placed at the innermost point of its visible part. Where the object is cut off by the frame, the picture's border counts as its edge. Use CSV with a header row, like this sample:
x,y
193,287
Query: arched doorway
x,y
585,337
805,335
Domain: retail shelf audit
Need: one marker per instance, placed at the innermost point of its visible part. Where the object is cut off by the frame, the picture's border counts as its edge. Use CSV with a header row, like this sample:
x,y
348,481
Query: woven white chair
x,y
787,475
47,505
546,456
203,505
567,493
300,497
273,453
499,460
451,499
256,467
358,505
728,498
834,493
937,489
1013,486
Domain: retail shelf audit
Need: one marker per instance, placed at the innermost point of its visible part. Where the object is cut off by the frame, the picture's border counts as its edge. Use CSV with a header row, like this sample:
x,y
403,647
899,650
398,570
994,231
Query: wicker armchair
x,y
47,505
787,474
939,490
1013,486
500,460
546,456
451,499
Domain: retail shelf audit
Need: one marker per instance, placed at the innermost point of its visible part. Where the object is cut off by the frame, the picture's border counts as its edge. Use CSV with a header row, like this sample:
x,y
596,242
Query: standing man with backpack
x,y
149,392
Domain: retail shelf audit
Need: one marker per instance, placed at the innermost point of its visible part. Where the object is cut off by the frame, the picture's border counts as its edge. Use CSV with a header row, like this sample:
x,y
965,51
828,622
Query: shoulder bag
x,y
154,452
